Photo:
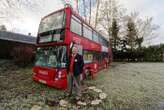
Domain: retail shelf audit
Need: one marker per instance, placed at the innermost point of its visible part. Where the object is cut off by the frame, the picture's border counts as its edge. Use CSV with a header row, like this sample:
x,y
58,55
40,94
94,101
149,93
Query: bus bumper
x,y
59,84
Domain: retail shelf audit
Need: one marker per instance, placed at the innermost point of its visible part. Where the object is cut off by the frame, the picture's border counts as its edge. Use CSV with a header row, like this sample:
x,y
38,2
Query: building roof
x,y
10,36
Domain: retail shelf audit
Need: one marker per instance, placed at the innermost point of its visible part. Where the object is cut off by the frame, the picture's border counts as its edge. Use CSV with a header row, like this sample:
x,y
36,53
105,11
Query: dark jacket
x,y
78,65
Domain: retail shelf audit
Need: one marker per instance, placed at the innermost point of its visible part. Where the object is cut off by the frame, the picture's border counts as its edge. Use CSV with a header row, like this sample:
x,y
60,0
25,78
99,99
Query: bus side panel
x,y
86,43
67,26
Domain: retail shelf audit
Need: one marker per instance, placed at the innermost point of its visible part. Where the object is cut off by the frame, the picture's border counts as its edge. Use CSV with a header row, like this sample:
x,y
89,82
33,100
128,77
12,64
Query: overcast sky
x,y
25,17
150,8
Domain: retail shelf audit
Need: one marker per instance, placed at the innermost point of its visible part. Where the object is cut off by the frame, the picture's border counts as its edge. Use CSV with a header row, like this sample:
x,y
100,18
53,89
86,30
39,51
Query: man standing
x,y
75,67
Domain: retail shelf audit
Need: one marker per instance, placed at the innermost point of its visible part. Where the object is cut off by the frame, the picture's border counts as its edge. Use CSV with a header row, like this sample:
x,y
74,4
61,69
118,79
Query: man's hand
x,y
71,74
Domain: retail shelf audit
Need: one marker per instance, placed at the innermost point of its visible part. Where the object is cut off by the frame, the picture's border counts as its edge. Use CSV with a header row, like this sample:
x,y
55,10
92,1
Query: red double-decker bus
x,y
57,33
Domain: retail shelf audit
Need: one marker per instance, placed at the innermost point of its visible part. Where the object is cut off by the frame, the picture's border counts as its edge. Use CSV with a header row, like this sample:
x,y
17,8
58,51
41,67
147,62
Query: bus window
x,y
87,32
95,37
97,57
55,21
105,42
47,38
88,56
76,26
51,56
100,40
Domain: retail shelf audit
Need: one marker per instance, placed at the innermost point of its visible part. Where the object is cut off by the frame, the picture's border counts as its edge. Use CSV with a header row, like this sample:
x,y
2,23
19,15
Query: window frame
x,y
50,66
48,17
96,34
84,26
76,19
88,29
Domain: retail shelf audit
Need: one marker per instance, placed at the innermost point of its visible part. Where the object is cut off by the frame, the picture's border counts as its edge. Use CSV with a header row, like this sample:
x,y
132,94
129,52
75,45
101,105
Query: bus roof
x,y
78,16
52,13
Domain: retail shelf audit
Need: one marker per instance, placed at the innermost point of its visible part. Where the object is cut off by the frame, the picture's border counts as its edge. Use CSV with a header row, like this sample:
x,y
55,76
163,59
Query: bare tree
x,y
97,12
90,11
109,10
84,9
146,30
131,33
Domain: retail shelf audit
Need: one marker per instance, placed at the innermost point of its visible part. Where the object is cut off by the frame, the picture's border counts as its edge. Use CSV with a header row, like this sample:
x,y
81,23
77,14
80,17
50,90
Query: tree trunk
x,y
90,11
84,8
97,13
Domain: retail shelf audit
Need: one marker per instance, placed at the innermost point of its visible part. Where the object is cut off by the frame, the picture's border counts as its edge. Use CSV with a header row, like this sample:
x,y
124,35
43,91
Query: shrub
x,y
22,55
150,54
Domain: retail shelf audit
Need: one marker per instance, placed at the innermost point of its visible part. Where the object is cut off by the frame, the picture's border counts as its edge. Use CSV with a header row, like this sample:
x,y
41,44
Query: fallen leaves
x,y
92,96
102,96
96,102
81,103
97,90
36,107
63,103
92,87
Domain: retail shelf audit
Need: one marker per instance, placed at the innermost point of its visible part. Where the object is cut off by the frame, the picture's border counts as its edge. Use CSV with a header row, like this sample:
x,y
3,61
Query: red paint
x,y
50,76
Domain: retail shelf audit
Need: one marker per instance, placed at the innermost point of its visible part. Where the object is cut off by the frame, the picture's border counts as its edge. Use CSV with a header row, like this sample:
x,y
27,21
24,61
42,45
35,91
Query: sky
x,y
24,17
149,8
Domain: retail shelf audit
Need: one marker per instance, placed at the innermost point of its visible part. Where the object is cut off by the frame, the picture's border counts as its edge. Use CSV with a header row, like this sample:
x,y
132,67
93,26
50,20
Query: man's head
x,y
74,50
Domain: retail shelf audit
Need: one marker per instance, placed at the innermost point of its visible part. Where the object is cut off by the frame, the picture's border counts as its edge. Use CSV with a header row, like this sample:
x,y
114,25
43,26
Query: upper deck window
x,y
76,26
87,32
103,41
52,22
95,37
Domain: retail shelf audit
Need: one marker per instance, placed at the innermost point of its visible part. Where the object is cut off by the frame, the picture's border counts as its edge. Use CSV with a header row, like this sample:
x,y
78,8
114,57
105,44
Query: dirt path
x,y
130,86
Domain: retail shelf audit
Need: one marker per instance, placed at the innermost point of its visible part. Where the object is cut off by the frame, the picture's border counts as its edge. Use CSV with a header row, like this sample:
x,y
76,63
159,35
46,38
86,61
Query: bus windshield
x,y
52,22
52,57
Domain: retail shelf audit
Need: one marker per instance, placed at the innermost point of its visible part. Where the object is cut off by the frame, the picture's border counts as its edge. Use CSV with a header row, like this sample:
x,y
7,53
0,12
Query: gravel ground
x,y
130,86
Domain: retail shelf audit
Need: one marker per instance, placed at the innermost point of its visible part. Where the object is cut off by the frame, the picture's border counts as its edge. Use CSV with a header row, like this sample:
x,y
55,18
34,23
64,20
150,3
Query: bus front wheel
x,y
87,74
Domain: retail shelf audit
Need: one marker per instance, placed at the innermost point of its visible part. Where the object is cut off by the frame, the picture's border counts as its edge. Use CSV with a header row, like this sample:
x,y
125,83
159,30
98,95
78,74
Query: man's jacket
x,y
77,65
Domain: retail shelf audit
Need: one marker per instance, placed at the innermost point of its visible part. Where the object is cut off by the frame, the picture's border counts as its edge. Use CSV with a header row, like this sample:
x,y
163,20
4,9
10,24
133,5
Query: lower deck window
x,y
51,56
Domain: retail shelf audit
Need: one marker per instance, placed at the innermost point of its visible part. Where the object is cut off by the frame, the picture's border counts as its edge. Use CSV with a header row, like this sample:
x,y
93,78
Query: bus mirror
x,y
71,45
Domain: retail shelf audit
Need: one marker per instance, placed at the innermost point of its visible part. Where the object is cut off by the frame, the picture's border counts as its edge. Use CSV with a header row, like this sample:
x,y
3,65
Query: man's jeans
x,y
74,84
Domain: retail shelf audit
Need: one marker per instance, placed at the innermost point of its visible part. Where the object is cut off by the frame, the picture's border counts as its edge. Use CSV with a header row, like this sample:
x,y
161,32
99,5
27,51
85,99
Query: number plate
x,y
43,72
42,81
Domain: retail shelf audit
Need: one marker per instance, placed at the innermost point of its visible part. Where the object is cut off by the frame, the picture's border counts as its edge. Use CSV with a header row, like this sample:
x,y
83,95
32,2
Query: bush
x,y
149,54
22,55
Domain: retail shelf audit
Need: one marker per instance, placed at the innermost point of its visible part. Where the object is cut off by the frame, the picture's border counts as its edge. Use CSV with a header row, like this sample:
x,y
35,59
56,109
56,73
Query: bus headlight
x,y
59,74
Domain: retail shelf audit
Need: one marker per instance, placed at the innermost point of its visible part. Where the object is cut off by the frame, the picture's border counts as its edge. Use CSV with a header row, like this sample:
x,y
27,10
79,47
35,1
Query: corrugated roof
x,y
10,36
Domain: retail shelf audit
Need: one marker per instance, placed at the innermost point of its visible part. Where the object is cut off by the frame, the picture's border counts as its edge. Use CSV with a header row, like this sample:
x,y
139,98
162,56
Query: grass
x,y
133,86
130,86
19,91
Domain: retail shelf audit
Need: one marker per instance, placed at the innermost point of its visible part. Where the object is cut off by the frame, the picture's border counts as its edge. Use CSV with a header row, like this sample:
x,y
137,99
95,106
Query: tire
x,y
87,74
